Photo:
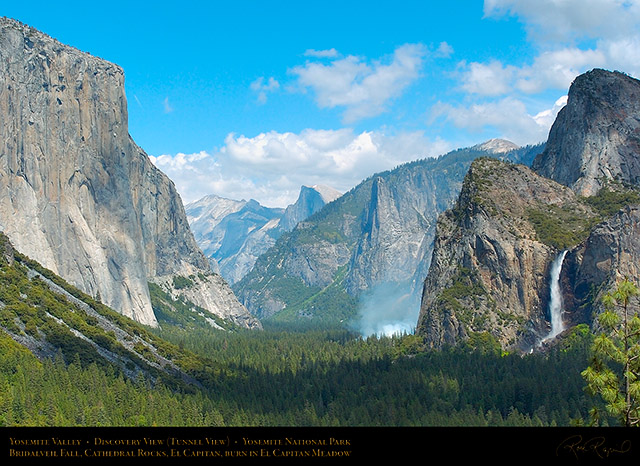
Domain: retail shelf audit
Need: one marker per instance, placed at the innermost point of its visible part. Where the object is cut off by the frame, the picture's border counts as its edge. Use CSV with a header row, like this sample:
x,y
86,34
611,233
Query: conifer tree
x,y
614,371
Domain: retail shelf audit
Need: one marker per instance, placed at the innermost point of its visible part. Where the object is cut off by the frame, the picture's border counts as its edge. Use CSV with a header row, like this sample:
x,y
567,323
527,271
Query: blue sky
x,y
250,99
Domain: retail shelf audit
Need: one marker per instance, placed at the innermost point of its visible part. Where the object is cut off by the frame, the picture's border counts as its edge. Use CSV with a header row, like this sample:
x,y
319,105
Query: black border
x,y
311,445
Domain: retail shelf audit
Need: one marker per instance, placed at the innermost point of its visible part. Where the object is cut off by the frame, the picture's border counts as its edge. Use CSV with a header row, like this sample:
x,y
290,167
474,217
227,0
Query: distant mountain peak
x,y
310,200
497,146
235,233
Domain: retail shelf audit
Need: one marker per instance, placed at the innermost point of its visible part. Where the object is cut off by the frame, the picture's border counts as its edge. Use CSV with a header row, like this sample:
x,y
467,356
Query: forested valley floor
x,y
306,377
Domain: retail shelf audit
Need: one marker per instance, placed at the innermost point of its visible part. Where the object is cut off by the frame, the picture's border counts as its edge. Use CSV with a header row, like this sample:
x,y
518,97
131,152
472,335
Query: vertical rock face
x,y
594,148
76,193
310,200
490,266
65,154
596,136
609,254
397,225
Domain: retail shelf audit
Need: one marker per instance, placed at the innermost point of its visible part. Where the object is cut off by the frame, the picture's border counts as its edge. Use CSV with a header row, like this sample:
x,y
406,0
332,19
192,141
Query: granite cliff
x,y
593,268
493,251
310,200
596,136
490,267
78,195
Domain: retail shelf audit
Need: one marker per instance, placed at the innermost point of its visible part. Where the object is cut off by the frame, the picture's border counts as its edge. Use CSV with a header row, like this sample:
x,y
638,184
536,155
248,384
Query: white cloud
x,y
364,89
488,79
262,88
569,20
330,53
570,36
557,69
623,54
508,116
271,167
553,69
545,118
166,105
444,50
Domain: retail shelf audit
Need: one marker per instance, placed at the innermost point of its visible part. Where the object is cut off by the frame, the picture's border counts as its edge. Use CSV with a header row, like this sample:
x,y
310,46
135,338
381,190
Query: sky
x,y
253,99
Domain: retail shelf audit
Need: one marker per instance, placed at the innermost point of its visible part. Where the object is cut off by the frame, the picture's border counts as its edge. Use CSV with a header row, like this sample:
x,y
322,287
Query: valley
x,y
419,297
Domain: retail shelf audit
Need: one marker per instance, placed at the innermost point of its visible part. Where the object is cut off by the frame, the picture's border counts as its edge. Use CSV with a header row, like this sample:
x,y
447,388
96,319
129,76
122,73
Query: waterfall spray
x,y
555,303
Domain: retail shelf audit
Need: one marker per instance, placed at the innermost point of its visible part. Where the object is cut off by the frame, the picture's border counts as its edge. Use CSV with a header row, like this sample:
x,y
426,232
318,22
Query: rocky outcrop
x,y
236,233
310,200
77,194
608,255
596,136
490,266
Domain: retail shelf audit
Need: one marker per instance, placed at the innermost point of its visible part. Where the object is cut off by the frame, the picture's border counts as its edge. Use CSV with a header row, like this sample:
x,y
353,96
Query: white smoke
x,y
386,310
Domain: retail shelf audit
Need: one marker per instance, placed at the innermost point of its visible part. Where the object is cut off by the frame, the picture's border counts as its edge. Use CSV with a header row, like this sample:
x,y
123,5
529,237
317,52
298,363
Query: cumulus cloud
x,y
570,20
363,88
622,54
554,69
444,50
262,87
489,79
545,118
508,116
271,167
570,37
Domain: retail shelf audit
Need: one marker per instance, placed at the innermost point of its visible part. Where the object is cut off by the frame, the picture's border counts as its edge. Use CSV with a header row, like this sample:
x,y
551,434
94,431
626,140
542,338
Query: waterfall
x,y
555,303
